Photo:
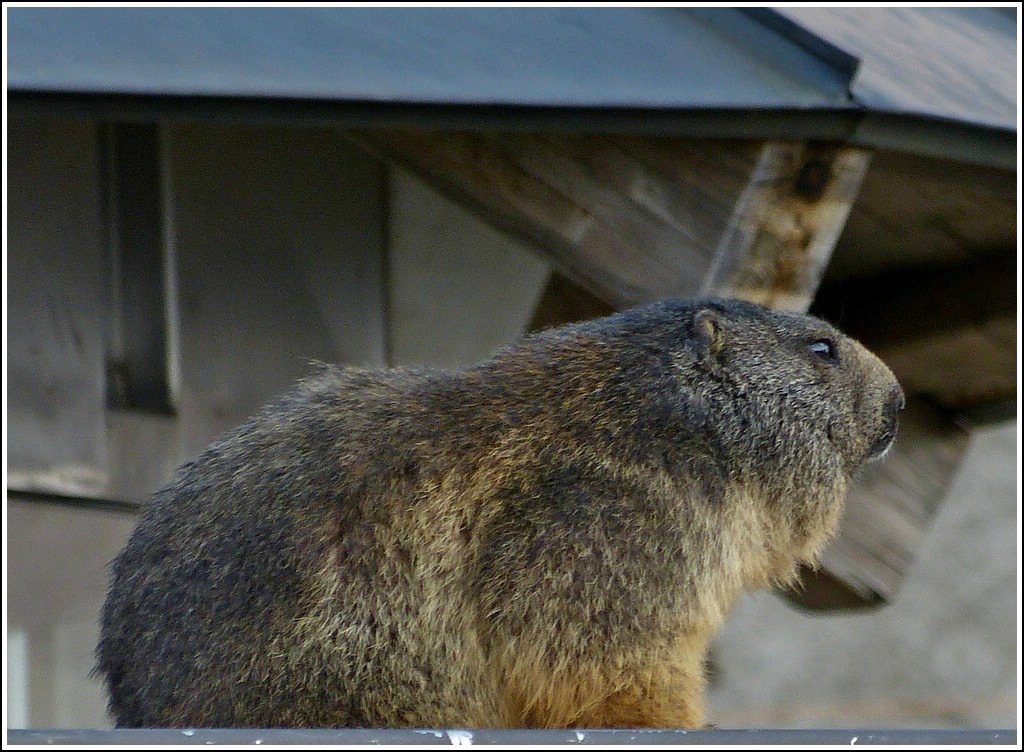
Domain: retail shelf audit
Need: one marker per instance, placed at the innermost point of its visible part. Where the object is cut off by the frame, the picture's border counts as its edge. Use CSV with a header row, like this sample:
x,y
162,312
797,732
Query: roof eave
x,y
971,143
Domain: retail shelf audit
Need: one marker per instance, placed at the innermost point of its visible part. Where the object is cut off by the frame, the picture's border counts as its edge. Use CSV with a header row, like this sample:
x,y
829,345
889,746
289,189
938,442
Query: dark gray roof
x,y
753,73
577,57
954,63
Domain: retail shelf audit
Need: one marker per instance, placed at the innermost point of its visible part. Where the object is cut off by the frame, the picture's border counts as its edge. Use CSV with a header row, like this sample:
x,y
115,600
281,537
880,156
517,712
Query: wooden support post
x,y
785,225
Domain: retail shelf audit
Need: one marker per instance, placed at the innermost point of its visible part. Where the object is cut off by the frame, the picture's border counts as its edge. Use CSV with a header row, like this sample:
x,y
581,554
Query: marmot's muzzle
x,y
883,444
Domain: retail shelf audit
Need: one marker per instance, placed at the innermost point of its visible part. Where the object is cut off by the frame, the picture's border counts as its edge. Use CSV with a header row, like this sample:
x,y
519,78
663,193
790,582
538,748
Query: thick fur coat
x,y
548,539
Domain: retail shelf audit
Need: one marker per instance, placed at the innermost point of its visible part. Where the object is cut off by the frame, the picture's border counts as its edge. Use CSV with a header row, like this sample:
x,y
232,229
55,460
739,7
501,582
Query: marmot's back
x,y
547,539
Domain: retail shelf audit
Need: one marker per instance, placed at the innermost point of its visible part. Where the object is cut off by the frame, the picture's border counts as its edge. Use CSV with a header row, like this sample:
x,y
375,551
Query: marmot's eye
x,y
825,349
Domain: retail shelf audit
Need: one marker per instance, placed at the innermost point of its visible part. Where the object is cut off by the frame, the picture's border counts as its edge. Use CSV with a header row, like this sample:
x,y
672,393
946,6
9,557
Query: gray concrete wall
x,y
459,289
57,559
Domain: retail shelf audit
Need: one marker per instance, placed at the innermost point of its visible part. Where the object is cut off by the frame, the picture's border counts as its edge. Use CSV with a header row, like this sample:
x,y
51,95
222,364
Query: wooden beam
x,y
785,225
636,219
966,370
631,219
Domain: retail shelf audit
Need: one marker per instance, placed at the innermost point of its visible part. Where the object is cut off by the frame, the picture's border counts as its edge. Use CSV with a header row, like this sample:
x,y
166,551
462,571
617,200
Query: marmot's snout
x,y
897,401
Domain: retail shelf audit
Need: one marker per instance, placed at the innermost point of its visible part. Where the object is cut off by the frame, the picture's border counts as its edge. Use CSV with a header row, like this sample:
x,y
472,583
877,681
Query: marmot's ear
x,y
707,326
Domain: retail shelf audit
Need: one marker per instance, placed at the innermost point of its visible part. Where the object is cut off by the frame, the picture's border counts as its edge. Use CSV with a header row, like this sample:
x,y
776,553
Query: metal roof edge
x,y
838,58
971,143
786,46
817,124
929,136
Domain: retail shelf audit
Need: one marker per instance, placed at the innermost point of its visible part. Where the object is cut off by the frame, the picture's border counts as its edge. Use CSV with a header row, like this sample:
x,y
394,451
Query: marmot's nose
x,y
897,402
899,399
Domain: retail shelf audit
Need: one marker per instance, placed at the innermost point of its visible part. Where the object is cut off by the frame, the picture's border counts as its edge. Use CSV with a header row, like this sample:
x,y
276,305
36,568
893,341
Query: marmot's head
x,y
758,419
800,372
775,406
749,381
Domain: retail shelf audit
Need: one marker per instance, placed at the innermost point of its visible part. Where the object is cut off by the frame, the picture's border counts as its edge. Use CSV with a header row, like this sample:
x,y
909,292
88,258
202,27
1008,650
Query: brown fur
x,y
546,540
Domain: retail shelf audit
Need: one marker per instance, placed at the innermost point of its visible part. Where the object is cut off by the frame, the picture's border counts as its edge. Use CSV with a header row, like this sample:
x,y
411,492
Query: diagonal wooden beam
x,y
785,224
630,219
636,219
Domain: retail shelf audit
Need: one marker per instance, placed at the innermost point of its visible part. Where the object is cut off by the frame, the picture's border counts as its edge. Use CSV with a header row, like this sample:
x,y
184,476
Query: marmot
x,y
547,539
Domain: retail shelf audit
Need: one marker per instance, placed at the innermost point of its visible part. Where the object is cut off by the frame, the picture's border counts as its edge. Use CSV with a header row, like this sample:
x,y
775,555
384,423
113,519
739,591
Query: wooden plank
x,y
963,369
672,179
636,219
711,170
786,224
602,180
608,219
923,215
